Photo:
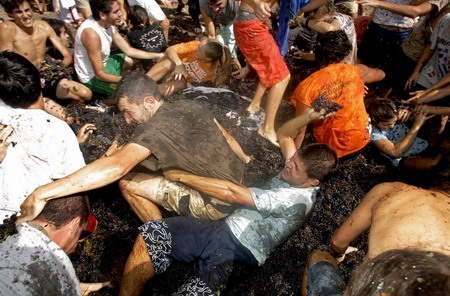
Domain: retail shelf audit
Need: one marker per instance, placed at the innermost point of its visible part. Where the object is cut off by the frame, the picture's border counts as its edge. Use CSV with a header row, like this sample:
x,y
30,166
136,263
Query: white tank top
x,y
83,65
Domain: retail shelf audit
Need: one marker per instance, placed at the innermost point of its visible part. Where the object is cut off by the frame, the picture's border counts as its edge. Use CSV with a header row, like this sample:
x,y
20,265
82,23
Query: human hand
x,y
420,116
349,250
87,288
179,72
412,80
303,55
31,207
5,140
322,114
262,10
404,114
372,3
114,146
241,73
84,132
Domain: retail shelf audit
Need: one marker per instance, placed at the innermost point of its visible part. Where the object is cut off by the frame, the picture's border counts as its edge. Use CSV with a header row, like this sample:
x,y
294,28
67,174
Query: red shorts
x,y
261,51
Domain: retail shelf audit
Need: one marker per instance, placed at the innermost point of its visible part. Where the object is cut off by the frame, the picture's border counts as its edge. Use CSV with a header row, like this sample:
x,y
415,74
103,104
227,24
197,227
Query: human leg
x,y
321,276
256,101
69,89
138,269
140,192
274,97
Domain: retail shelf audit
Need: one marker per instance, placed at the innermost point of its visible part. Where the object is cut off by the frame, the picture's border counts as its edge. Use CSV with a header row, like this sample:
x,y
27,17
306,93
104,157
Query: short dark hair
x,y
332,47
138,17
10,5
136,86
402,273
319,160
60,211
20,82
98,6
381,110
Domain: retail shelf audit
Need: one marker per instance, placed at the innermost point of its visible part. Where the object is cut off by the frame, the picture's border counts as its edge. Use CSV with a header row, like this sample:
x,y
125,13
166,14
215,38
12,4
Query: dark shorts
x,y
113,66
210,244
52,71
324,280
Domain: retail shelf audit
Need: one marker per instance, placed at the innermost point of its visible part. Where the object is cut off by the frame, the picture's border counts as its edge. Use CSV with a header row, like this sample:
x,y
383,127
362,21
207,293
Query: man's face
x,y
132,112
218,6
294,172
115,16
23,15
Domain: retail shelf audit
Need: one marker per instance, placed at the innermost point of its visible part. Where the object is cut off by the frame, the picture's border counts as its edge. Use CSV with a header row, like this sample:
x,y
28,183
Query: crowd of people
x,y
379,84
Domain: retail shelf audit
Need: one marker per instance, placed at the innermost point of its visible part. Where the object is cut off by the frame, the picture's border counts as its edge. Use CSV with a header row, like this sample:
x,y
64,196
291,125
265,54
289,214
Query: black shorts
x,y
210,244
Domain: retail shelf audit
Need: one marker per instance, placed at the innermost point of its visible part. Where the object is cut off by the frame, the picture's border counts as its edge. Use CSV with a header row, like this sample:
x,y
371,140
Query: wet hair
x,y
138,17
332,47
402,273
326,8
57,26
319,160
60,211
98,6
381,110
10,5
220,56
20,82
136,86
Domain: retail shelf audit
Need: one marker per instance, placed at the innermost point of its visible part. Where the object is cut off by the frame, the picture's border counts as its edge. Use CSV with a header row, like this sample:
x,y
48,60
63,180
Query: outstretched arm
x,y
406,10
359,220
237,149
220,189
97,174
132,52
54,39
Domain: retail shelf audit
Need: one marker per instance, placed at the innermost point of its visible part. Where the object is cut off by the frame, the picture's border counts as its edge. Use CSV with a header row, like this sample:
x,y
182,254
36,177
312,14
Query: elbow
x,y
337,244
165,23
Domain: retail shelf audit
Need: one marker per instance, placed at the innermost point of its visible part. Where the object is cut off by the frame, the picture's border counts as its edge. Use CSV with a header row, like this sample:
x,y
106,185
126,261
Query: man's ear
x,y
313,182
150,101
102,15
74,224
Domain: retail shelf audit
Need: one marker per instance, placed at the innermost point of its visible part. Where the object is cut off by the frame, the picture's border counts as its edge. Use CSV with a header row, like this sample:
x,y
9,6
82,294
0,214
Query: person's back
x,y
408,216
43,147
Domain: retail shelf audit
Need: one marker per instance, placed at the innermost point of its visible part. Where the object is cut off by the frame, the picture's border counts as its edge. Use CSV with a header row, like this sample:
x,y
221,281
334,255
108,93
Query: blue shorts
x,y
324,280
210,244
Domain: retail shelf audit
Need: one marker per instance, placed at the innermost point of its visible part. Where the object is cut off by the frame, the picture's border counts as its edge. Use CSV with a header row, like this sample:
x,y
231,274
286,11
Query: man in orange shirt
x,y
347,131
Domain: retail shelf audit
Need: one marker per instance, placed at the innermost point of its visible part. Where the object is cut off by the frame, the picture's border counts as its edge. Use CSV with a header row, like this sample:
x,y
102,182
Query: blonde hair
x,y
221,61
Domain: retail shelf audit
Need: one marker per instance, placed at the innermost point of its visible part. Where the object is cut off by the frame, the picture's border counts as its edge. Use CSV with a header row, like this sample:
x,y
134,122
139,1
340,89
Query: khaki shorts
x,y
188,202
82,4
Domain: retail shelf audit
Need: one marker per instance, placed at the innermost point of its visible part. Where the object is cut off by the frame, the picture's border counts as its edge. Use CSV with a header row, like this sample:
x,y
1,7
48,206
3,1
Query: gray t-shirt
x,y
226,16
32,264
279,212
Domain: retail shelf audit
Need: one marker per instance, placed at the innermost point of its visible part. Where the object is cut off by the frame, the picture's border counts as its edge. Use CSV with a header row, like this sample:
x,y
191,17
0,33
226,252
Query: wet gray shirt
x,y
32,264
226,16
279,212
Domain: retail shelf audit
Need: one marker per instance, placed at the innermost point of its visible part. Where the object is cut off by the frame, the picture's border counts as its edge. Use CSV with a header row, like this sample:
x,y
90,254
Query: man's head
x,y
332,47
107,11
20,11
137,97
64,219
310,165
402,273
20,82
217,5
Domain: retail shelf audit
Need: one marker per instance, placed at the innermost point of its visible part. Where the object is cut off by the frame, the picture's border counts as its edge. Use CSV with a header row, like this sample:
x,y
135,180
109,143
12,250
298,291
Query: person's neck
x,y
26,30
104,24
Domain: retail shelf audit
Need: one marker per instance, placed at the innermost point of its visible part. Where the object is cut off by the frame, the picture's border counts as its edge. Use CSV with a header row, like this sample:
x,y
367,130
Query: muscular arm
x,y
126,48
209,24
220,189
370,75
359,220
97,174
406,10
237,149
7,32
91,41
324,27
300,109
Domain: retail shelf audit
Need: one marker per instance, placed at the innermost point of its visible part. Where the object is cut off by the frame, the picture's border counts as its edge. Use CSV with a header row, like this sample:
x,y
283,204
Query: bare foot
x,y
270,136
253,108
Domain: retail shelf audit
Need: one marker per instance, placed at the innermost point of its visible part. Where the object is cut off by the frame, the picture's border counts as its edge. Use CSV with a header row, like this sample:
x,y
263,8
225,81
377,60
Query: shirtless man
x,y
95,66
400,216
28,38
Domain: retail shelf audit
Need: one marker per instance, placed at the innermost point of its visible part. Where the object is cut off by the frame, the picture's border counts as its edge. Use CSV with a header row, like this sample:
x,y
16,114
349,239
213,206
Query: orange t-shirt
x,y
347,131
197,70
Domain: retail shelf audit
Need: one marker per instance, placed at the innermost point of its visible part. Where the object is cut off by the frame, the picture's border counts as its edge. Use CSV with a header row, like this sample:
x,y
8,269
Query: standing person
x,y
94,65
169,135
221,13
249,234
28,37
262,53
348,130
154,12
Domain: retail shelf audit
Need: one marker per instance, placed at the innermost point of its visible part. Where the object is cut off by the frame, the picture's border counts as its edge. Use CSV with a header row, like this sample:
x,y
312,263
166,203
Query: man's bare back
x,y
30,45
399,216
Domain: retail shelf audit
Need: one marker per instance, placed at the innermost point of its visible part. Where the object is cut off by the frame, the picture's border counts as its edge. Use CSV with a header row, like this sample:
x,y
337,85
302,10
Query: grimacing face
x,y
132,112
294,171
23,15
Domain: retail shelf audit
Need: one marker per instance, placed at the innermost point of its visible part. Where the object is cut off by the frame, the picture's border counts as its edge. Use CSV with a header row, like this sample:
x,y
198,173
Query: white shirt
x,y
153,10
43,149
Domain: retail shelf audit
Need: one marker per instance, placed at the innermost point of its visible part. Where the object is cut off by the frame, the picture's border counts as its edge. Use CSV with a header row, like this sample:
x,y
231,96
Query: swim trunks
x,y
52,71
113,66
261,51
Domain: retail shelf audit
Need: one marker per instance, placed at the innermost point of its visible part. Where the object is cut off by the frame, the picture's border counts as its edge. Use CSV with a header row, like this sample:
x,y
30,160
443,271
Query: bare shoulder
x,y
43,25
8,27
